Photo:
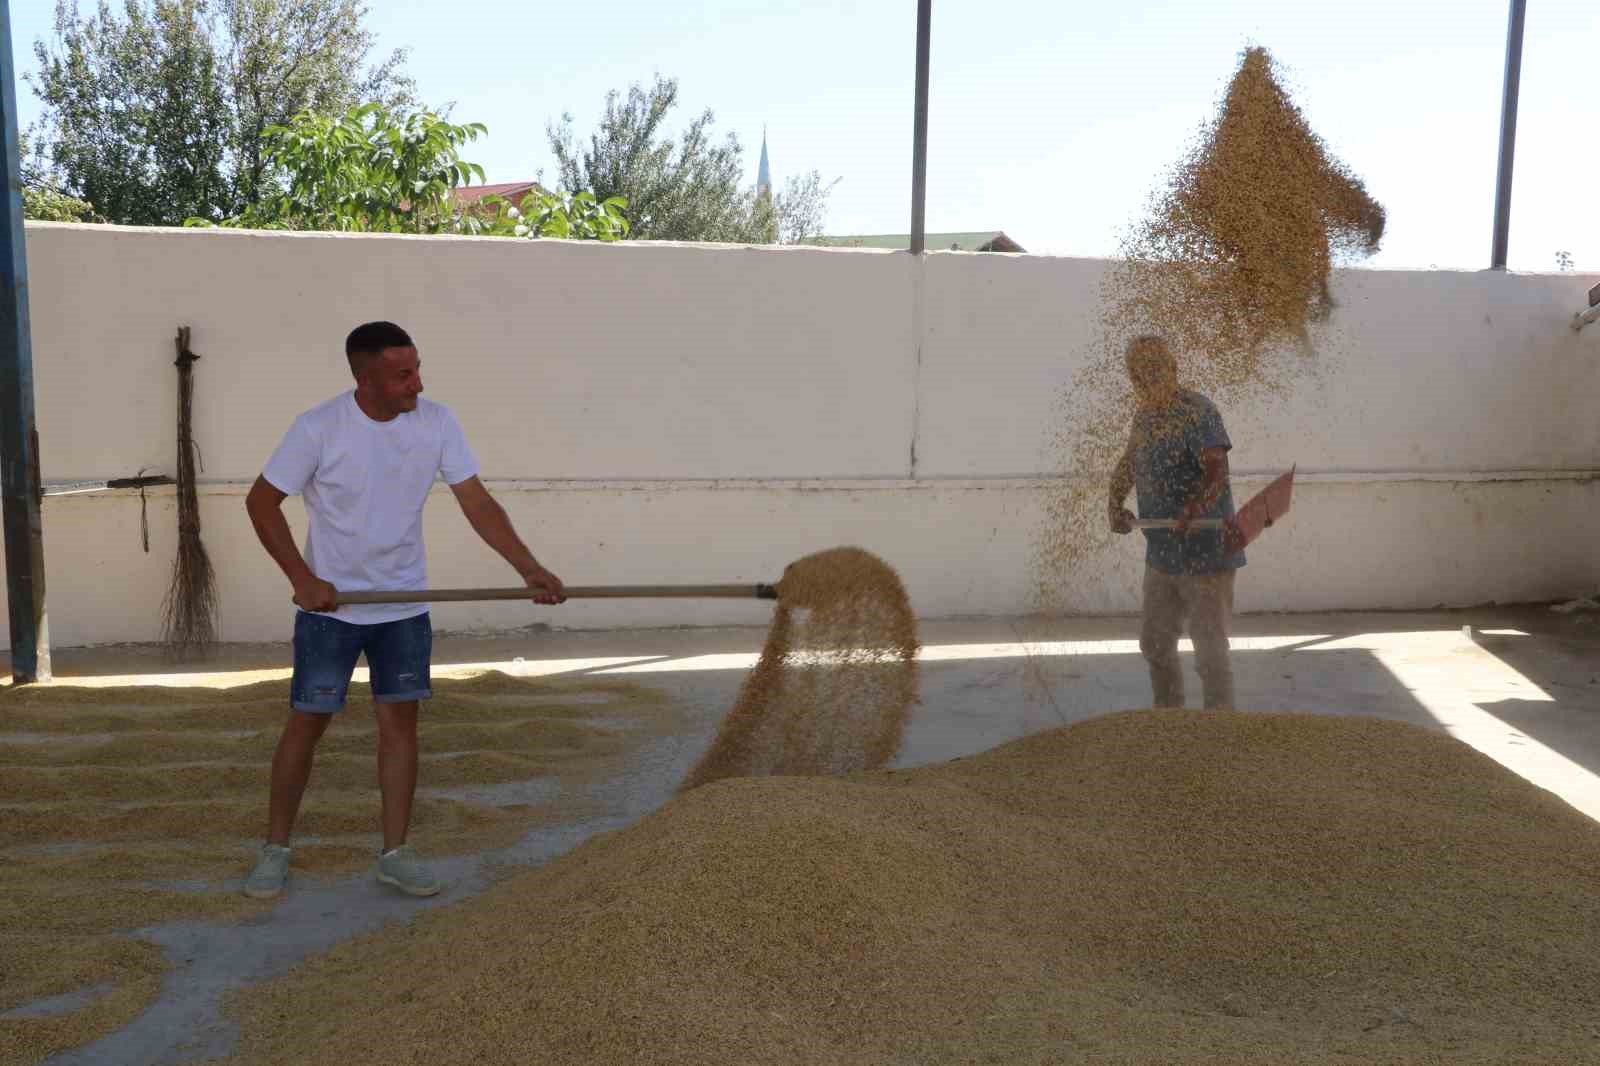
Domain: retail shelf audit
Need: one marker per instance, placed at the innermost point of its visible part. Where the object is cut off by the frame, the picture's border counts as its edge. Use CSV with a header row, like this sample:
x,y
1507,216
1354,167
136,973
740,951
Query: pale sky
x,y
1052,121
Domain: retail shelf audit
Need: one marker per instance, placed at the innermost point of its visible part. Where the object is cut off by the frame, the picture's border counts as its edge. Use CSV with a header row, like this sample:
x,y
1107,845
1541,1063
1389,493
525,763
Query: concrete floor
x,y
1523,686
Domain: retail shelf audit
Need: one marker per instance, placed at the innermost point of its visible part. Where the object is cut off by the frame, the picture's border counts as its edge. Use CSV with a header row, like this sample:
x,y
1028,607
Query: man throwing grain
x,y
1177,456
365,462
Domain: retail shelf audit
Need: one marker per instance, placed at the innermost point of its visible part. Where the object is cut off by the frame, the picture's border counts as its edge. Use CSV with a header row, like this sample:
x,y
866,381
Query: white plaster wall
x,y
563,359
661,413
963,548
1418,371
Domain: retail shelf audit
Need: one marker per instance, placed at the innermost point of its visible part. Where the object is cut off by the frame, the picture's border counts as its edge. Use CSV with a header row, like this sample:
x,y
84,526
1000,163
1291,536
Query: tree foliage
x,y
50,205
801,210
43,201
158,112
373,170
687,187
565,216
369,170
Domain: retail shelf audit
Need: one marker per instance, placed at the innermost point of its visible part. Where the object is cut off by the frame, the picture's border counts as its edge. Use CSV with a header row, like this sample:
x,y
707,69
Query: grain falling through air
x,y
836,679
1231,264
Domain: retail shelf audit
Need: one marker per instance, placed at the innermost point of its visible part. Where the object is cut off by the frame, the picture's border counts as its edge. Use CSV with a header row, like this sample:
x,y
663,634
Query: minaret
x,y
764,174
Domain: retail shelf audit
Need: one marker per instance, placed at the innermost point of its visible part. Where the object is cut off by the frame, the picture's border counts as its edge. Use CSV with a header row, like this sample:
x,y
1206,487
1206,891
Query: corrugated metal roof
x,y
987,240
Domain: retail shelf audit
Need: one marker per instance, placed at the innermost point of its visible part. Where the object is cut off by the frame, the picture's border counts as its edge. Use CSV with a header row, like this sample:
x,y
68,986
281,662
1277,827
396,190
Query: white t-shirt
x,y
365,483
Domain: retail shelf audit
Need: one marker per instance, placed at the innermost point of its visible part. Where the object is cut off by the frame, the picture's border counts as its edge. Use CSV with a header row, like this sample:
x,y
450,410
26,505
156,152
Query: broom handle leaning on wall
x,y
573,592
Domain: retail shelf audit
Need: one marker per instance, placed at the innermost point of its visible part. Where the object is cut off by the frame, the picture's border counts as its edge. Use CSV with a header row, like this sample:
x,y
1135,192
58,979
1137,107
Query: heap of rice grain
x,y
832,690
1147,887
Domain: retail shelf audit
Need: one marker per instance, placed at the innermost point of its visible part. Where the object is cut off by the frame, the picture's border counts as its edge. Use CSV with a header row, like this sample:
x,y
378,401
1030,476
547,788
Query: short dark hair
x,y
371,339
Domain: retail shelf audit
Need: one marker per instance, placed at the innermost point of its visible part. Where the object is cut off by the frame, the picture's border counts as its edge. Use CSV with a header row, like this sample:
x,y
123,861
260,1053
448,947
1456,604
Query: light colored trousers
x,y
1205,601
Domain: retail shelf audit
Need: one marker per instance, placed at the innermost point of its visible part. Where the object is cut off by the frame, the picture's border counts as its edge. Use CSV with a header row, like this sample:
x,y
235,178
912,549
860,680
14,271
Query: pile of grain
x,y
123,807
834,686
1147,887
1231,266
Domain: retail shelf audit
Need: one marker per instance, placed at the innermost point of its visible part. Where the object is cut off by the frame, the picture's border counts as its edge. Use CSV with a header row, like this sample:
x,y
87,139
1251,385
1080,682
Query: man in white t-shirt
x,y
365,462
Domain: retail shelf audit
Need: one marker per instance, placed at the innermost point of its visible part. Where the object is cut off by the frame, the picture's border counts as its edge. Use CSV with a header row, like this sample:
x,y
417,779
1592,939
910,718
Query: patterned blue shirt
x,y
1167,443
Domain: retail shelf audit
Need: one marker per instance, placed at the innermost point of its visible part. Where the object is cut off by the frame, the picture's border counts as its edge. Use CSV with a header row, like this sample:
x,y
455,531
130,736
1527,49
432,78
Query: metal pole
x,y
19,437
919,135
1508,135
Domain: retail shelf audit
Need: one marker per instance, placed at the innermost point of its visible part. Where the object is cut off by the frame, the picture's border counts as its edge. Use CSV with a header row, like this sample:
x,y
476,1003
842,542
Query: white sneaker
x,y
401,869
272,870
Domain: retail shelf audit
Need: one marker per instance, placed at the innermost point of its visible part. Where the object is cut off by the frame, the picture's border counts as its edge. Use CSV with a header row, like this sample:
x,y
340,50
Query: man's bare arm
x,y
265,507
1121,484
490,521
1214,462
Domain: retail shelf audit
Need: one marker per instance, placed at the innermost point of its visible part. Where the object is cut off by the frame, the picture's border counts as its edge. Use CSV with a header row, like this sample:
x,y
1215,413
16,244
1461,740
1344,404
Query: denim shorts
x,y
326,650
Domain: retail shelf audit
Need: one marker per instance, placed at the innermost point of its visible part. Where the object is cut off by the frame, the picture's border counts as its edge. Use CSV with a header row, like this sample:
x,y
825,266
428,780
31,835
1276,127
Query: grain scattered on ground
x,y
1141,888
123,807
836,679
126,974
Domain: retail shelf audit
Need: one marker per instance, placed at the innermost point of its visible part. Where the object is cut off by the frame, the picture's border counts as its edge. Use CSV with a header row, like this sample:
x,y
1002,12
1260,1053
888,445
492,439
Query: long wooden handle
x,y
573,592
1172,523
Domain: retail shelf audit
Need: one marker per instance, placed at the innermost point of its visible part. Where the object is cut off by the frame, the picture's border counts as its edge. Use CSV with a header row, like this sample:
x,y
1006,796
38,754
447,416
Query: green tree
x,y
801,210
290,56
50,205
375,170
43,201
157,113
568,216
368,170
684,188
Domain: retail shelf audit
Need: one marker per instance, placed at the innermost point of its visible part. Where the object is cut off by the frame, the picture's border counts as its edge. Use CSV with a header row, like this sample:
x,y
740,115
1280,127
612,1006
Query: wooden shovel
x,y
1264,508
572,592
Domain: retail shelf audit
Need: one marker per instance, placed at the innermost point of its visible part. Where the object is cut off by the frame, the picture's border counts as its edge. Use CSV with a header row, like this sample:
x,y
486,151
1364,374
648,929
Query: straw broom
x,y
189,612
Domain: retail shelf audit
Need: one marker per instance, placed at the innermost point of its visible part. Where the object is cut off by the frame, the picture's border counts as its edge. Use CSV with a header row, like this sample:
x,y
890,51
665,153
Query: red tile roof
x,y
511,190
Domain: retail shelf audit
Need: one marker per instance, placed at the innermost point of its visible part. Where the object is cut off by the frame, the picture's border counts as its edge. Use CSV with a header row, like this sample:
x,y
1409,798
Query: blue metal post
x,y
19,437
919,129
1508,135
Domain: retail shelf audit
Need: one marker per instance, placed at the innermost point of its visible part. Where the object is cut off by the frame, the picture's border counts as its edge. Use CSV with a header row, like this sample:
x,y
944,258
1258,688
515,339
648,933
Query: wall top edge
x,y
625,247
